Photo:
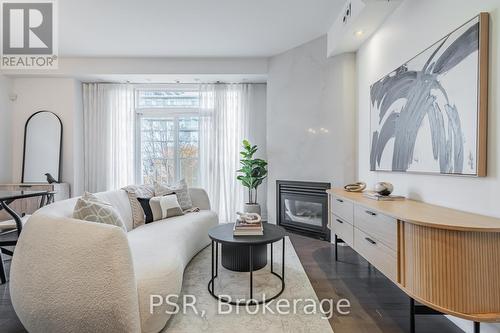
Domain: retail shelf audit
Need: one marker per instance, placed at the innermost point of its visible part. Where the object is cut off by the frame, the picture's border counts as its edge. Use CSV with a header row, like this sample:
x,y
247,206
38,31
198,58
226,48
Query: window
x,y
168,133
168,99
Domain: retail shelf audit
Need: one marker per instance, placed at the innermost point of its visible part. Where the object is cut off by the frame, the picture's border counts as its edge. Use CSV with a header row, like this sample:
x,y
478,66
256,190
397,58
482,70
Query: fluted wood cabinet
x,y
444,258
30,205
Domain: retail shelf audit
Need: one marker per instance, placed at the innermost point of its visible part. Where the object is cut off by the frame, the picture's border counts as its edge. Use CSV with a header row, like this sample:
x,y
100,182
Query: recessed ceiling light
x,y
359,33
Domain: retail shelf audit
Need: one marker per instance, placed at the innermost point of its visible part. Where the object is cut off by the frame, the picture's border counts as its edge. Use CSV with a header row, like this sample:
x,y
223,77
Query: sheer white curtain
x,y
224,115
109,130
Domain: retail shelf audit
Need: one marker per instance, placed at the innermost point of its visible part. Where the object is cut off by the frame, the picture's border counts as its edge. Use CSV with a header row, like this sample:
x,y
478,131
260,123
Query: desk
x,y
28,206
6,198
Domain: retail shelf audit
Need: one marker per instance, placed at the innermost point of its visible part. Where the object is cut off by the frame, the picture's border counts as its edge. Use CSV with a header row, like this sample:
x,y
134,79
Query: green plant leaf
x,y
252,171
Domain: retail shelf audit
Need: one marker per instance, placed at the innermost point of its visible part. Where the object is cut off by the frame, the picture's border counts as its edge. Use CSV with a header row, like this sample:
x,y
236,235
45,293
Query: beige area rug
x,y
210,319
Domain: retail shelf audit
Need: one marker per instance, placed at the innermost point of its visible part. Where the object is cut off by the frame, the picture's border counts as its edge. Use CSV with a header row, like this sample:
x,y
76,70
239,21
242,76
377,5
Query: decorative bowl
x,y
355,187
384,188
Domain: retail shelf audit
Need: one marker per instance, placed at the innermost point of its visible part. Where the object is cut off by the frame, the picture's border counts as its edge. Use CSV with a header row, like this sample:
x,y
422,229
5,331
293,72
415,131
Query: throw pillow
x,y
92,197
134,192
146,208
180,189
169,205
94,210
161,207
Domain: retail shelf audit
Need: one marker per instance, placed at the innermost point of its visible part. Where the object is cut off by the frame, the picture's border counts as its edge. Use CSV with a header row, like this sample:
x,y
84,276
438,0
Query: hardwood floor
x,y
8,319
377,305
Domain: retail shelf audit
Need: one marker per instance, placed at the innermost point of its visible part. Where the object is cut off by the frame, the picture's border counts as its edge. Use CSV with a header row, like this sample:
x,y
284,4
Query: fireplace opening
x,y
302,207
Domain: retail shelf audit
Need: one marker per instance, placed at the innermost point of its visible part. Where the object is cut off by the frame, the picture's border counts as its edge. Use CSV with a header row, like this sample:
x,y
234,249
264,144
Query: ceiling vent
x,y
347,13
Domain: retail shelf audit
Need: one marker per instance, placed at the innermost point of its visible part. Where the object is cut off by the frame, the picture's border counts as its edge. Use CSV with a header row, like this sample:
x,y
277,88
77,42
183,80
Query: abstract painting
x,y
429,115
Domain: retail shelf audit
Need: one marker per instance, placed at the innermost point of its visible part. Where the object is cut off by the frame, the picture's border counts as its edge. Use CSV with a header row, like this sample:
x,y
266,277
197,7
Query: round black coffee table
x,y
244,247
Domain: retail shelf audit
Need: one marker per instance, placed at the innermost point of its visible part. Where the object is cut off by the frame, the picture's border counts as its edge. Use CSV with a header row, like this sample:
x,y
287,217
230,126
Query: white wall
x,y
61,96
307,90
78,67
5,130
257,135
414,26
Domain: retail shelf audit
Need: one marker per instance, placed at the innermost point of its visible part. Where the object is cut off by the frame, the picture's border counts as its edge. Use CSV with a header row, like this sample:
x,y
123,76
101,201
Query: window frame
x,y
174,113
166,87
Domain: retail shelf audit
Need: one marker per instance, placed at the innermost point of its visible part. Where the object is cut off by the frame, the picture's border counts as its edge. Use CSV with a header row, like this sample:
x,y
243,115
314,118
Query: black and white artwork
x,y
424,115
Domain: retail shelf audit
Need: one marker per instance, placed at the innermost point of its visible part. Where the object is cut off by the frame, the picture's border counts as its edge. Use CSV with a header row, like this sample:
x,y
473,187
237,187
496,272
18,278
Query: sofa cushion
x,y
169,205
117,198
92,209
180,189
162,207
92,197
134,192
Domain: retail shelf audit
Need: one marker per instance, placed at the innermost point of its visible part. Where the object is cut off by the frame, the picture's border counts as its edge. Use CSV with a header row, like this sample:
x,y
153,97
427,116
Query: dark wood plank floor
x,y
8,319
377,305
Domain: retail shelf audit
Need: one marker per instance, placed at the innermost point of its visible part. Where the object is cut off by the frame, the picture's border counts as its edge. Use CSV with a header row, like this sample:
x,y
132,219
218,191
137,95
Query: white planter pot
x,y
252,208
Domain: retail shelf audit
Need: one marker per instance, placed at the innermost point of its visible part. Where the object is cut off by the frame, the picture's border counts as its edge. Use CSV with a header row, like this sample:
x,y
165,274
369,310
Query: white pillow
x,y
161,207
180,189
90,208
170,206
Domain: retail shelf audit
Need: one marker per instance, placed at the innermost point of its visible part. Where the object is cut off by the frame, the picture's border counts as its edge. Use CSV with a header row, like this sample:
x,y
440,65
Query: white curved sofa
x,y
69,275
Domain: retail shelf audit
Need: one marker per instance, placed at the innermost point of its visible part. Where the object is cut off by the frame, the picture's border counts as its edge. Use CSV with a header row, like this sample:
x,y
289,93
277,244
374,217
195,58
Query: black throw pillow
x,y
147,209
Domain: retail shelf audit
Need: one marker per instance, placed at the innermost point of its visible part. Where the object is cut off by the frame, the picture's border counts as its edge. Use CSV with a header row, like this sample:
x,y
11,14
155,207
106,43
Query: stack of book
x,y
242,228
380,197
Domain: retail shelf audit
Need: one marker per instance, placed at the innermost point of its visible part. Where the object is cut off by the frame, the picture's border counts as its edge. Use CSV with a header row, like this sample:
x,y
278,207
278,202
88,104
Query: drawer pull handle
x,y
22,185
339,221
340,200
370,240
370,213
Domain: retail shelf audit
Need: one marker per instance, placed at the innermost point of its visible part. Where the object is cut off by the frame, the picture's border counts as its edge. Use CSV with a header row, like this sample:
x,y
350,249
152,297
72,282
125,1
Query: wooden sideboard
x,y
446,259
30,205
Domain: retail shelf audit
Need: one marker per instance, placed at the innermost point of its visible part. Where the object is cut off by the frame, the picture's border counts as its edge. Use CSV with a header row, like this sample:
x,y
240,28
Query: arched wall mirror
x,y
42,147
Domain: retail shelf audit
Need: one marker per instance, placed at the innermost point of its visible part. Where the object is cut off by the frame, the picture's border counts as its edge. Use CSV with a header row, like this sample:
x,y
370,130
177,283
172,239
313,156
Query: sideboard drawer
x,y
381,227
344,230
342,208
376,253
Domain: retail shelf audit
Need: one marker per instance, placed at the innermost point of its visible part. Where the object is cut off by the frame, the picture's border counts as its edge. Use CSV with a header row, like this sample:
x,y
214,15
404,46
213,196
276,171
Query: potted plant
x,y
253,172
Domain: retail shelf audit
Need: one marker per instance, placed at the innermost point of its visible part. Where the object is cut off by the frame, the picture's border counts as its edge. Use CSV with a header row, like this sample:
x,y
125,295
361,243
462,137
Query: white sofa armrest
x,y
199,197
69,275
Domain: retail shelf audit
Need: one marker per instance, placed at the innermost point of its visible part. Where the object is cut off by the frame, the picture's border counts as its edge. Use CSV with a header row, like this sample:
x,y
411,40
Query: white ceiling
x,y
190,28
